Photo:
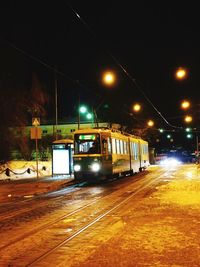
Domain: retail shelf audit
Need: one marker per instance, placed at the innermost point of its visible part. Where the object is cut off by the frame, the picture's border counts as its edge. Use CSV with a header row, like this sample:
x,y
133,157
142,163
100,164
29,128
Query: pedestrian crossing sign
x,y
36,121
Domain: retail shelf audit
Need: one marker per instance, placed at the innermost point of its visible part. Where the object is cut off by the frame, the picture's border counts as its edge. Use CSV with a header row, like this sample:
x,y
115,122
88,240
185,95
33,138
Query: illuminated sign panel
x,y
61,161
87,137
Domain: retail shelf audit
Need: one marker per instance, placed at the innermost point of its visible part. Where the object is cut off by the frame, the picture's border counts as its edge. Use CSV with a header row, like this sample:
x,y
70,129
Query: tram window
x,y
136,150
113,146
84,142
121,147
125,147
133,150
84,147
118,146
109,146
104,146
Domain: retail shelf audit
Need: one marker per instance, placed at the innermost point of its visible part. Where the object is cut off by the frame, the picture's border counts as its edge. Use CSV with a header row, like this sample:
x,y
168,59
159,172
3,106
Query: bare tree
x,y
17,104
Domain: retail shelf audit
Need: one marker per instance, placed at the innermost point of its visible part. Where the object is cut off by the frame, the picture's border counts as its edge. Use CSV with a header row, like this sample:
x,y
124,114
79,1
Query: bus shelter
x,y
62,153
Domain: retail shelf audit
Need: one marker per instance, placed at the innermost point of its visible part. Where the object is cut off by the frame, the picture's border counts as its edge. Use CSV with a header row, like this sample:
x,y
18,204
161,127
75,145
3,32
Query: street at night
x,y
149,219
99,134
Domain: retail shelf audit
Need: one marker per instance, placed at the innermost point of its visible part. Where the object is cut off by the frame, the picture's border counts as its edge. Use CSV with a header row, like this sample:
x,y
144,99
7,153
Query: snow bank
x,y
25,169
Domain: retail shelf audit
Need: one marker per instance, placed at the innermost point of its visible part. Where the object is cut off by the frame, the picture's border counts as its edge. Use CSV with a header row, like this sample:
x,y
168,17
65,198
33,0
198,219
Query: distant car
x,y
170,161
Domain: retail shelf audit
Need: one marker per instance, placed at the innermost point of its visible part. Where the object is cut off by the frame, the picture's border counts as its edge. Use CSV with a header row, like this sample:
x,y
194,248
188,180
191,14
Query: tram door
x,y
106,154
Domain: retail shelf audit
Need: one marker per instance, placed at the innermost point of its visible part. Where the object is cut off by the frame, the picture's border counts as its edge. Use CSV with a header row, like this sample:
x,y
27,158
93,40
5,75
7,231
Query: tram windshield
x,y
87,144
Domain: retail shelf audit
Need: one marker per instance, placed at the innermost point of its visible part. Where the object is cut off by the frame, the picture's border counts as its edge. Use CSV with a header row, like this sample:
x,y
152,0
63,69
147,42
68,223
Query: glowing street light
x,y
188,129
109,78
150,123
180,73
185,104
189,136
136,107
89,116
82,109
188,119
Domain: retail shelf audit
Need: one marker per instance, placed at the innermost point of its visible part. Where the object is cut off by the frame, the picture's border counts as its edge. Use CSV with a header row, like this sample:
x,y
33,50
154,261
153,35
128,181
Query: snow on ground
x,y
15,170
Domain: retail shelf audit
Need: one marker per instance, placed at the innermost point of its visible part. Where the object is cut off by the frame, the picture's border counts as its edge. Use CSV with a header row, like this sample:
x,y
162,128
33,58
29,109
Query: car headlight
x,y
170,162
95,167
77,168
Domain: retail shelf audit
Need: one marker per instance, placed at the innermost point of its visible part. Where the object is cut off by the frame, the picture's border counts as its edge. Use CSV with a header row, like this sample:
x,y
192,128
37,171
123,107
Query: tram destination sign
x,y
87,137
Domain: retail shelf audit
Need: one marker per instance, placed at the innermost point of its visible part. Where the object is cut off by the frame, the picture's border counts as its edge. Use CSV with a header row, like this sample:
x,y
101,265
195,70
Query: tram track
x,y
83,210
97,219
8,209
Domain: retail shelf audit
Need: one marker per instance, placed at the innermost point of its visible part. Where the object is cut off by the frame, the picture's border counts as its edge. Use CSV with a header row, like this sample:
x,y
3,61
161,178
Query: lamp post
x,y
56,103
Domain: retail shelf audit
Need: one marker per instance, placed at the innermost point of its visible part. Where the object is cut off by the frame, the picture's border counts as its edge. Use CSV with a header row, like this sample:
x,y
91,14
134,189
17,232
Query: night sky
x,y
147,39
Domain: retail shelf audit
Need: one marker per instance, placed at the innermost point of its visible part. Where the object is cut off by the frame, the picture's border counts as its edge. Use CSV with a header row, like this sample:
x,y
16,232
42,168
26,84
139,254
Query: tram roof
x,y
105,129
64,141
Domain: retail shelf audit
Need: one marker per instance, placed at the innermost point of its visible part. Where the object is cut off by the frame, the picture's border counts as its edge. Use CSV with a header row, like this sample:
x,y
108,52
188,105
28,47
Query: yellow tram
x,y
104,152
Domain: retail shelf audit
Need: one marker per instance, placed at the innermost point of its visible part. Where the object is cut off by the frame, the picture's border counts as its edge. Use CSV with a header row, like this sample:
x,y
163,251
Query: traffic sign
x,y
36,121
36,133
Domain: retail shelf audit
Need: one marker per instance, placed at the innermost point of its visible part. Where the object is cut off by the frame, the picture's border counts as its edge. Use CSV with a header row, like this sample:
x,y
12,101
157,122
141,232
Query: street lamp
x,y
188,119
185,104
150,123
109,78
189,136
181,73
136,107
89,116
188,129
84,110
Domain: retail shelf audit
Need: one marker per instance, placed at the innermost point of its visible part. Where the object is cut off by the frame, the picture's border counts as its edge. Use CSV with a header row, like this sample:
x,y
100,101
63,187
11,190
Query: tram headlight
x,y
95,167
77,168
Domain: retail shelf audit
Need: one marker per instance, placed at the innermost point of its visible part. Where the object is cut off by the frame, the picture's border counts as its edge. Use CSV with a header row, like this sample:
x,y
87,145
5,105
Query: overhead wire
x,y
36,59
122,68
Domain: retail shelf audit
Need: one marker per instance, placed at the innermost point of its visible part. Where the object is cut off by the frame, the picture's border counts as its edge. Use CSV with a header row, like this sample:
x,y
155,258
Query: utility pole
x,y
56,104
78,111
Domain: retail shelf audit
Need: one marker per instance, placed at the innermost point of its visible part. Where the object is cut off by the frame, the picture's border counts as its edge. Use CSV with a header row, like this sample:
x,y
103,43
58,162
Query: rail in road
x,y
83,215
